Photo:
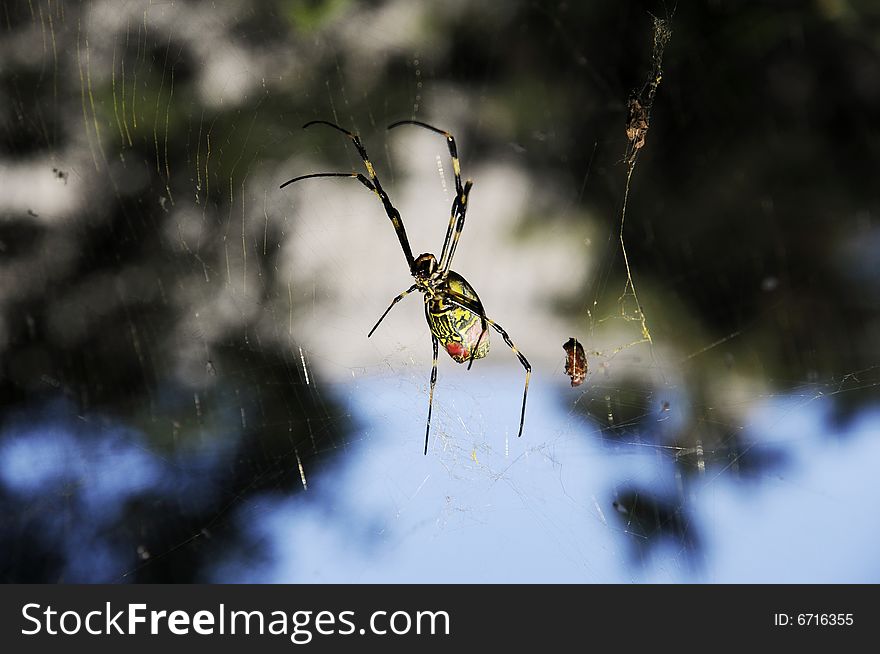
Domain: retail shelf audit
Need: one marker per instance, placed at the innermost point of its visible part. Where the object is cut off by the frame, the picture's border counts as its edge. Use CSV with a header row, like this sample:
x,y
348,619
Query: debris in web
x,y
638,123
575,361
640,102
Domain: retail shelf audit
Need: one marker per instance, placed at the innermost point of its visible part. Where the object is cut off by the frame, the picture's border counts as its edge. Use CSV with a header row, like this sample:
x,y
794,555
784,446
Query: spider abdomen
x,y
458,329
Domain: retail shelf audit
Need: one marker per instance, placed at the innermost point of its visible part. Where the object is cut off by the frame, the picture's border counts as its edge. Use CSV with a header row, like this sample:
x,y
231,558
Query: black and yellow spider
x,y
453,309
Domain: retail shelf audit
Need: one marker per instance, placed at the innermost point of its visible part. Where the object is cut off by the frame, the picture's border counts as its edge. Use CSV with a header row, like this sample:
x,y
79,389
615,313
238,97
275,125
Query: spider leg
x,y
373,185
525,364
474,307
459,205
431,394
391,306
363,180
450,142
459,210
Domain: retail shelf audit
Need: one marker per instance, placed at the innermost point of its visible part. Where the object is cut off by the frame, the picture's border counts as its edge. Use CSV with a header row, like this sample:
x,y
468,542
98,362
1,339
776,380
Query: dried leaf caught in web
x,y
575,362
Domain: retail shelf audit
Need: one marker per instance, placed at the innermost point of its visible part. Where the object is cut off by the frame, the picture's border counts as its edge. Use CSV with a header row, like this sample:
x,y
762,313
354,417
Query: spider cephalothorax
x,y
425,266
453,309
426,272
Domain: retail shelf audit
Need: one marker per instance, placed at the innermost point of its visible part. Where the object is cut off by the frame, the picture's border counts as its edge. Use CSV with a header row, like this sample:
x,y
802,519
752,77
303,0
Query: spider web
x,y
189,392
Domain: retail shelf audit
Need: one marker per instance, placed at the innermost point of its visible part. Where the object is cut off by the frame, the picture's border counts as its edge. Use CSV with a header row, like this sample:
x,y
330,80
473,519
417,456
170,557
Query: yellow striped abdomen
x,y
458,329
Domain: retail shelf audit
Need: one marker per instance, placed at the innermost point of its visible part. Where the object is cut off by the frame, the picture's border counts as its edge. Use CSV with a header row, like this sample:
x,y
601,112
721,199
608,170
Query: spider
x,y
453,309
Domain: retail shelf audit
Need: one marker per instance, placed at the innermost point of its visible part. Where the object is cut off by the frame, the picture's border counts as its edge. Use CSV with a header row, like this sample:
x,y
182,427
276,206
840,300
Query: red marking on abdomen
x,y
457,351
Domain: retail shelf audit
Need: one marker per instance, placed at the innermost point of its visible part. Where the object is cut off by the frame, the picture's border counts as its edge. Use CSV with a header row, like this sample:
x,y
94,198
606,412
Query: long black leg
x,y
391,306
363,180
450,142
455,214
375,186
474,307
431,393
459,205
525,364
459,225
